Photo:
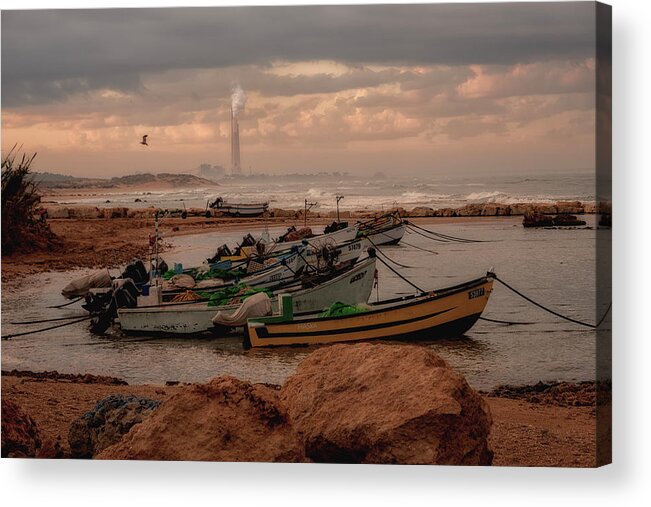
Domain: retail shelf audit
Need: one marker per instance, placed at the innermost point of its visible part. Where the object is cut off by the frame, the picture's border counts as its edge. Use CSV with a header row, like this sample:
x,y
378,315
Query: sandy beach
x,y
523,433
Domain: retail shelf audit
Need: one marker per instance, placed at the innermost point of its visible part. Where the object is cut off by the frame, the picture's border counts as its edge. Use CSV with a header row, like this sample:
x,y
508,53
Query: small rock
x,y
107,423
20,435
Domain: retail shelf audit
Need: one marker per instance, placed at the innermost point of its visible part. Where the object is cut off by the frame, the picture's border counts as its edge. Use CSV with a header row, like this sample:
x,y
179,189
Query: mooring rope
x,y
445,236
549,310
45,320
507,322
401,276
68,303
414,231
7,337
419,248
377,249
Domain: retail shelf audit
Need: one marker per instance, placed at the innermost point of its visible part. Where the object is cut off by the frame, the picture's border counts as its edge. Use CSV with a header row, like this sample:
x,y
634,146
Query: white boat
x,y
352,287
331,239
341,253
387,229
239,209
389,236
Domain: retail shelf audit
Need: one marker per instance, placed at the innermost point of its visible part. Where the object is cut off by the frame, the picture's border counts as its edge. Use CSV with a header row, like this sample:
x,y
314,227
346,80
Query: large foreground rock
x,y
384,403
224,420
107,423
20,435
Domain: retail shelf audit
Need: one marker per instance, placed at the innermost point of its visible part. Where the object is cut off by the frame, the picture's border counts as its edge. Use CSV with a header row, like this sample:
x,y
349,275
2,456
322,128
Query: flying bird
x,y
144,140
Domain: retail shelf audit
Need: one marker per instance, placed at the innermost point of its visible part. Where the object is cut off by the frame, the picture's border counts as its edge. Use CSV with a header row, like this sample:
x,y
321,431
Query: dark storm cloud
x,y
48,55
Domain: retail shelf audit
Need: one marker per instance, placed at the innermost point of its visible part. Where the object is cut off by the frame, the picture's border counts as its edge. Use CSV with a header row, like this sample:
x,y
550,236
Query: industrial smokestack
x,y
238,101
236,167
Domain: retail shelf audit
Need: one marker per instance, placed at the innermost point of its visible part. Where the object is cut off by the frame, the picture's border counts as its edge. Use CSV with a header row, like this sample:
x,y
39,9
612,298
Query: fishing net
x,y
232,295
188,295
339,309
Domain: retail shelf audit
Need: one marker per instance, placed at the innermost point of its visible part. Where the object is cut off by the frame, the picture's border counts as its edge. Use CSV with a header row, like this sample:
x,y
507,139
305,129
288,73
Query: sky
x,y
403,89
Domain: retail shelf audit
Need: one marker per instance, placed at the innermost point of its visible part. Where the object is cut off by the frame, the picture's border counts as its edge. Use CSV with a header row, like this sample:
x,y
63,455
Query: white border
x,y
28,482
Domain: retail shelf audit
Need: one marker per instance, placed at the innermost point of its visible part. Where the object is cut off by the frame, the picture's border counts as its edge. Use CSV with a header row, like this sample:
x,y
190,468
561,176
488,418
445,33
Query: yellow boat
x,y
436,314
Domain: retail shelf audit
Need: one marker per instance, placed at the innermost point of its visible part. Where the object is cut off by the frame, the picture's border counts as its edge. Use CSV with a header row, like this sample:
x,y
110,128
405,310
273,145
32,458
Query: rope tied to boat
x,y
443,237
68,303
13,335
377,249
400,276
549,310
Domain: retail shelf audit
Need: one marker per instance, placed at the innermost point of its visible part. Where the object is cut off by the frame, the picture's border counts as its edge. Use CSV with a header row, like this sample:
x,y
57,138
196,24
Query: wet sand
x,y
523,434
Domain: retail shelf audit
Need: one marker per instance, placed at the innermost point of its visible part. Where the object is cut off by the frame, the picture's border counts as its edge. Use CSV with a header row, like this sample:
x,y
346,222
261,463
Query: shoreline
x,y
109,243
524,433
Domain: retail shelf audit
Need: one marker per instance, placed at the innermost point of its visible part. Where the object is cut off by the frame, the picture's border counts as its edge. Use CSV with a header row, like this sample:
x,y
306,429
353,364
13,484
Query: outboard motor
x,y
137,271
104,306
222,251
125,293
248,240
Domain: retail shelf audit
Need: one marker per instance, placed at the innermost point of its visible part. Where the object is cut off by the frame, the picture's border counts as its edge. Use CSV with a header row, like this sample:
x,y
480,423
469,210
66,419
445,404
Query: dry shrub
x,y
23,230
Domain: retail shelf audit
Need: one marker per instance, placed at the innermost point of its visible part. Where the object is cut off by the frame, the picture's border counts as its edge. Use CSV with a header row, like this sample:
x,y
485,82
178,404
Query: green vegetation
x,y
23,226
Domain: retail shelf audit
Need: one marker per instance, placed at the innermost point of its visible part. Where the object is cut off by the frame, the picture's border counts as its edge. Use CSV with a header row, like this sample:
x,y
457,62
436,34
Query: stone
x,y
224,420
520,208
20,435
84,212
107,423
57,212
569,207
470,210
421,211
386,403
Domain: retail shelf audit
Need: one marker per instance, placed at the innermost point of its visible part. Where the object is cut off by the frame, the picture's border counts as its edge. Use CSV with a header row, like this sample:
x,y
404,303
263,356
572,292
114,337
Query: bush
x,y
23,225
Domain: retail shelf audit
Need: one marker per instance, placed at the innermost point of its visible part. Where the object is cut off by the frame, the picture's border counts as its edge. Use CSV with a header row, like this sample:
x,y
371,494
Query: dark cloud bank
x,y
49,55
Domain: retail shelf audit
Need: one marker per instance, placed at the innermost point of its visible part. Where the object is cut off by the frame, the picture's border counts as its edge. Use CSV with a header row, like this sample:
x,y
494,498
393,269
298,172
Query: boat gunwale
x,y
411,300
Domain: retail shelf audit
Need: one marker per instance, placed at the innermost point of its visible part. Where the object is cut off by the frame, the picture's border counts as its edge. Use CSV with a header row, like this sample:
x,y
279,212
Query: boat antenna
x,y
339,198
308,207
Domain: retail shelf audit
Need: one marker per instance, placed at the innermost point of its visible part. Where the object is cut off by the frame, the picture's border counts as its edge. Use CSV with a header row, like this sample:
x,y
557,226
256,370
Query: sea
x,y
554,267
376,192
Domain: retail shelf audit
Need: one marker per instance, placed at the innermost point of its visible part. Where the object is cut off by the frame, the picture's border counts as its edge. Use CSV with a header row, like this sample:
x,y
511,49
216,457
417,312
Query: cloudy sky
x,y
412,88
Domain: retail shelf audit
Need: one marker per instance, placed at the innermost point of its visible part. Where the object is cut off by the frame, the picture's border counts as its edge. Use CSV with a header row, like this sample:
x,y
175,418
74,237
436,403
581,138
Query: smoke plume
x,y
238,99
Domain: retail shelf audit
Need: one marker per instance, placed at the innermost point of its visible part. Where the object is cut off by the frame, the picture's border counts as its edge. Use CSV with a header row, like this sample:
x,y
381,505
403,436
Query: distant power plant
x,y
236,166
238,101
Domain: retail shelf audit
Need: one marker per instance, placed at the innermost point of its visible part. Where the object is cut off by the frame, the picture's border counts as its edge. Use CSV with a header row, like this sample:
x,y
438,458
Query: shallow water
x,y
555,267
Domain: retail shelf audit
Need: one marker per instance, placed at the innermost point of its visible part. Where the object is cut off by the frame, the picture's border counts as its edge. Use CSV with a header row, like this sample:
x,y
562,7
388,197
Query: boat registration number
x,y
476,293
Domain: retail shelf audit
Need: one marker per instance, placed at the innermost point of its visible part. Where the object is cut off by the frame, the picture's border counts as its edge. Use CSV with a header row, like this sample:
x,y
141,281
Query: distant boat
x,y
239,209
432,315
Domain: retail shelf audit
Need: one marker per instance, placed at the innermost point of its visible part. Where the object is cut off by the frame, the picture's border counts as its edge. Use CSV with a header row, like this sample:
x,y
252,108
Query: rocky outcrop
x,y
224,420
562,394
422,211
383,403
20,435
107,423
569,207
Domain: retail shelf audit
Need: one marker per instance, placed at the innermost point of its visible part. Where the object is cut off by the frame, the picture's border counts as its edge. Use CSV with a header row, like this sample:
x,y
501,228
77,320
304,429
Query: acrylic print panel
x,y
343,234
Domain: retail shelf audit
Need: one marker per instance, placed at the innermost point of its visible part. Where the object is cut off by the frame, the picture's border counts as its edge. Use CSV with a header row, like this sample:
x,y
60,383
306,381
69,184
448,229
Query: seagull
x,y
144,140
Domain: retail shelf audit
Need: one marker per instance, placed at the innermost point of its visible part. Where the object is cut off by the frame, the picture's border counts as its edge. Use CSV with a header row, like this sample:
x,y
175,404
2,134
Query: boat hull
x,y
391,236
333,238
352,287
449,312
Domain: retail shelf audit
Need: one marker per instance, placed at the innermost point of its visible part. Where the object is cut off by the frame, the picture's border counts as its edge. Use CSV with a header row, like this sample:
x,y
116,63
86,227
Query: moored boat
x,y
387,229
239,209
436,314
352,286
